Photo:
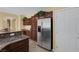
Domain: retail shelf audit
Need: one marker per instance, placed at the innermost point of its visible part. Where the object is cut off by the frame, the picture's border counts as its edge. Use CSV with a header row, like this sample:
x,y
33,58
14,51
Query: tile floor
x,y
33,47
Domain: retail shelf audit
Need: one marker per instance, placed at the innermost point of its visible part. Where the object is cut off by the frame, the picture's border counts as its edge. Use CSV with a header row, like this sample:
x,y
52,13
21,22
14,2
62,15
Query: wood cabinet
x,y
26,21
34,28
44,14
27,33
20,46
33,32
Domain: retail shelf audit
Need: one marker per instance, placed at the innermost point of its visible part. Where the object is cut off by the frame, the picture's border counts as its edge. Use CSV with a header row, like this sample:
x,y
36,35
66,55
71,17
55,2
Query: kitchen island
x,y
14,42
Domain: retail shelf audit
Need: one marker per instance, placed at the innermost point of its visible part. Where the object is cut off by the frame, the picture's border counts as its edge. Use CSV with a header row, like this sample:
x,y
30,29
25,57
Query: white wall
x,y
67,30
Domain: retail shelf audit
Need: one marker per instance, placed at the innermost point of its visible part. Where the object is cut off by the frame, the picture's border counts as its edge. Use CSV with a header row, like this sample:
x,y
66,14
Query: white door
x,y
67,30
77,33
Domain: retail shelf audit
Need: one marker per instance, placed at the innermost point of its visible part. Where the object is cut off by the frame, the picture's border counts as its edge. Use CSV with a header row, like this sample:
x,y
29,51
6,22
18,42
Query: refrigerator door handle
x,y
41,26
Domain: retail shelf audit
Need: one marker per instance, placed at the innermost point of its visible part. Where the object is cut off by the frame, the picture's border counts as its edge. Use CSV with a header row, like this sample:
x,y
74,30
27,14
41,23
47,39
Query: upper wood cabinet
x,y
26,21
44,14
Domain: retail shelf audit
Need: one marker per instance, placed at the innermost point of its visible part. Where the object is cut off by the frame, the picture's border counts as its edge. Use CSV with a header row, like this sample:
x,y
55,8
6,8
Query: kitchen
x,y
39,29
30,27
19,33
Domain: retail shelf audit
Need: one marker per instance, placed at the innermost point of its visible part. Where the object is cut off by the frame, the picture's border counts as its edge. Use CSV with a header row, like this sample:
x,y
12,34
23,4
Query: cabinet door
x,y
67,30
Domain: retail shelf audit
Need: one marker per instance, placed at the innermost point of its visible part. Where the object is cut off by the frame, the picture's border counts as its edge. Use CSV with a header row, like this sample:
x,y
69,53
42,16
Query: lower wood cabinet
x,y
20,46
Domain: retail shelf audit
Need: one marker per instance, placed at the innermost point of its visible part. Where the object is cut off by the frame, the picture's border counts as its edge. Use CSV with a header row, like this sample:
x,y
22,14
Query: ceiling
x,y
26,11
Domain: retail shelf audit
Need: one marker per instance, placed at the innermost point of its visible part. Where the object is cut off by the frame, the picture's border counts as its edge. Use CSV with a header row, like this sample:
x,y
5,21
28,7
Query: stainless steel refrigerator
x,y
44,33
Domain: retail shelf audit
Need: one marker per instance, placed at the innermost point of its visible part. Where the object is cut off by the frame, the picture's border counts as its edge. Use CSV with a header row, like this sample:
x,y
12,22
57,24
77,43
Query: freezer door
x,y
39,36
